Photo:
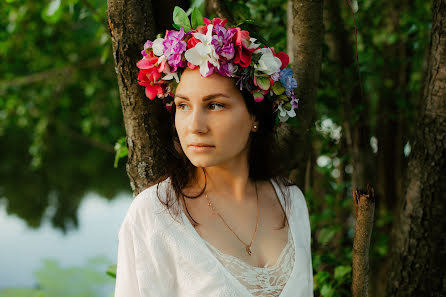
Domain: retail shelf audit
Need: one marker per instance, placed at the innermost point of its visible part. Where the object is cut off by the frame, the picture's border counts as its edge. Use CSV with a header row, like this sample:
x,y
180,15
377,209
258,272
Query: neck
x,y
233,185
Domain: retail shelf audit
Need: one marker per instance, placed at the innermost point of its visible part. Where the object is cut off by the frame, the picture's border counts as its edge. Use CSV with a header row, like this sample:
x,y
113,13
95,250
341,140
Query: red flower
x,y
283,58
243,55
192,42
215,21
191,66
149,75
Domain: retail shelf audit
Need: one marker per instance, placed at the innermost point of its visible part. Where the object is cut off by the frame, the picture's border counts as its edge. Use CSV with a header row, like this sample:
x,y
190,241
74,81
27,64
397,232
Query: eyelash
x,y
178,106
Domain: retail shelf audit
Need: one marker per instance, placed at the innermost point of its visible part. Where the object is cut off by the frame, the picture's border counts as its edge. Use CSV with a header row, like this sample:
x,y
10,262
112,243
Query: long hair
x,y
263,159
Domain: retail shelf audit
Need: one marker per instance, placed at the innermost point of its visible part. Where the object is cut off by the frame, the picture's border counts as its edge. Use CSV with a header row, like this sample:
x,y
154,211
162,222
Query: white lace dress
x,y
260,281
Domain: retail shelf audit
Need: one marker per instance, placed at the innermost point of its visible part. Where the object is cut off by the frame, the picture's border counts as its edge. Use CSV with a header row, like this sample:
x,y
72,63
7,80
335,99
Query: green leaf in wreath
x,y
180,18
278,88
196,18
263,82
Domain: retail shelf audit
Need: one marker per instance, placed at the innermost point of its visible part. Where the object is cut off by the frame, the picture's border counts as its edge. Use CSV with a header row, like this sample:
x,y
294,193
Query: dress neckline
x,y
202,243
258,268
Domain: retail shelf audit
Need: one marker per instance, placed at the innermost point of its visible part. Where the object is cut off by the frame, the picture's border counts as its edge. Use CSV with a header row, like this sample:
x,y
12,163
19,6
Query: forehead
x,y
193,84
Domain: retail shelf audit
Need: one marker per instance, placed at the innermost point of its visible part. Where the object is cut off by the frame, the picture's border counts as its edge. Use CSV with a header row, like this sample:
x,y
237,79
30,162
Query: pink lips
x,y
201,147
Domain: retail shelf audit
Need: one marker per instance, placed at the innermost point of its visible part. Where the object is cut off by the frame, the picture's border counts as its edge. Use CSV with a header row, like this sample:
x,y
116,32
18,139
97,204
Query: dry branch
x,y
364,202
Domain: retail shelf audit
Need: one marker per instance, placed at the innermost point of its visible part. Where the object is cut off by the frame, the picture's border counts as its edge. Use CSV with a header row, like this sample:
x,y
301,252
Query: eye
x,y
181,106
216,106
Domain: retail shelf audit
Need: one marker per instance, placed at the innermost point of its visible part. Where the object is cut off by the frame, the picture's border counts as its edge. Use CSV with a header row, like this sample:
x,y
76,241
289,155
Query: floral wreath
x,y
215,48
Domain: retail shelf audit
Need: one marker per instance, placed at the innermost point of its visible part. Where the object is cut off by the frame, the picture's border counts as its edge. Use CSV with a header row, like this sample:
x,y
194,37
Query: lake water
x,y
23,249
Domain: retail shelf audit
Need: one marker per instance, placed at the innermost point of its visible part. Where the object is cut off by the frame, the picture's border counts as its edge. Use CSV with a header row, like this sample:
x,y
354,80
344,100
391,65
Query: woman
x,y
222,222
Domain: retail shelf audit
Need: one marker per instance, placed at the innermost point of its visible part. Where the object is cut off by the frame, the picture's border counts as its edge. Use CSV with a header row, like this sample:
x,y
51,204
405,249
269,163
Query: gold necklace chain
x,y
247,246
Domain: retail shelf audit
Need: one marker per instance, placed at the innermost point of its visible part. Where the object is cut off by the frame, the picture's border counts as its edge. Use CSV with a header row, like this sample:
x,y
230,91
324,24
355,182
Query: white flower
x,y
268,63
284,114
158,47
253,45
203,52
169,75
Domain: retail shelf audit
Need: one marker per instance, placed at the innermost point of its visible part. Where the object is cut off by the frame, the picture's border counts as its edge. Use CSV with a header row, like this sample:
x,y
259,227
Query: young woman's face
x,y
211,119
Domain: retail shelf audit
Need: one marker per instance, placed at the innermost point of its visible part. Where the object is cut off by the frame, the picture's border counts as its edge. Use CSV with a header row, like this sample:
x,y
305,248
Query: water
x,y
23,249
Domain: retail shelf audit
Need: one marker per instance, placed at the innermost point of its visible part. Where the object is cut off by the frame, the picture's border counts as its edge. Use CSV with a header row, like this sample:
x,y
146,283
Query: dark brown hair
x,y
263,158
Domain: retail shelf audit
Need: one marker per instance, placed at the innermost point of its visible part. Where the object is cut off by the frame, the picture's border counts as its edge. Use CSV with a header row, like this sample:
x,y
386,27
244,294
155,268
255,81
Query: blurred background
x,y
64,190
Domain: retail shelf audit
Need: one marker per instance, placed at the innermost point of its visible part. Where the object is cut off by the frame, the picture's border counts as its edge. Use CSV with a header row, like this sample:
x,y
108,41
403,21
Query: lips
x,y
200,144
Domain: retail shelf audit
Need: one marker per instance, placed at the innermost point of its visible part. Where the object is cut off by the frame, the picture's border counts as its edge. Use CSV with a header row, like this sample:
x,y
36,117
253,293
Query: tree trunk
x,y
356,129
131,23
418,253
219,8
307,54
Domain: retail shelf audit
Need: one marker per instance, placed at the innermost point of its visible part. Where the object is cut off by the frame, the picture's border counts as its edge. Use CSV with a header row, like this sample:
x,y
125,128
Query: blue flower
x,y
287,80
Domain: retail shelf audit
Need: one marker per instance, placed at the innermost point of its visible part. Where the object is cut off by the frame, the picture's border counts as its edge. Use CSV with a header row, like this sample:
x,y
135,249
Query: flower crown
x,y
214,48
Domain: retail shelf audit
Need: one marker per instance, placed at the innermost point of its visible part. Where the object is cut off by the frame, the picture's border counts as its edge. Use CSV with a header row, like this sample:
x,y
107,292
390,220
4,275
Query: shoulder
x,y
285,187
146,212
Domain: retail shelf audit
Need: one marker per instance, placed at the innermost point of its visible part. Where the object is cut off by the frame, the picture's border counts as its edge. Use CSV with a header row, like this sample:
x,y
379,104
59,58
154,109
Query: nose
x,y
198,121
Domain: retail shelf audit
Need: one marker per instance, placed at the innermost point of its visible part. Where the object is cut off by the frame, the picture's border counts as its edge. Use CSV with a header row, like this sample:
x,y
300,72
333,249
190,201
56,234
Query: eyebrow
x,y
205,98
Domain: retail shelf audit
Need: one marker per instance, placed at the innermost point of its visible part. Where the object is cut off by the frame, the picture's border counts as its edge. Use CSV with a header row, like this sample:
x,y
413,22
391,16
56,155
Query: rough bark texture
x,y
307,54
219,8
131,23
364,202
418,254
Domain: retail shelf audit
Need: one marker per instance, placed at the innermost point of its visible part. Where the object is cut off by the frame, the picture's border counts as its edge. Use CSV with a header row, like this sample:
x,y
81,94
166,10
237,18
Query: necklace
x,y
247,246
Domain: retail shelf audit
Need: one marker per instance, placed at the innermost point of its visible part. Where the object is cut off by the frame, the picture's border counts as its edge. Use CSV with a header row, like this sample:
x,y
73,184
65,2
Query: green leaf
x,y
180,18
121,150
341,271
278,88
111,270
196,18
325,235
52,12
327,291
263,82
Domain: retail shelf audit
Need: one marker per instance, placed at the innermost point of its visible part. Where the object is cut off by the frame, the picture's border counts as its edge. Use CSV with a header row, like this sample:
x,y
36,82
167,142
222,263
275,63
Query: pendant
x,y
248,250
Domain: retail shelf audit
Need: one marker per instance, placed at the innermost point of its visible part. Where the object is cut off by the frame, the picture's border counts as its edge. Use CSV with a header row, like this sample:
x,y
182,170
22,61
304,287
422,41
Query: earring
x,y
255,127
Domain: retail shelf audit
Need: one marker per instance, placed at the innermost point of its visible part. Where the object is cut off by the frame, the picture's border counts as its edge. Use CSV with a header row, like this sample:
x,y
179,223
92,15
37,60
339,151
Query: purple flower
x,y
294,102
222,41
146,46
246,82
287,80
174,46
227,69
275,76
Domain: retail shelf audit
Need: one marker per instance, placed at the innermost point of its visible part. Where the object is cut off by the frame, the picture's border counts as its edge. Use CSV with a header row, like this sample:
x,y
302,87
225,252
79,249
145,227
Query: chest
x,y
230,230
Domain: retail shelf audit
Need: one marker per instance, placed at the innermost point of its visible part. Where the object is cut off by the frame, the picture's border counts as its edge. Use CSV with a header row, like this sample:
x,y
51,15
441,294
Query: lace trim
x,y
260,281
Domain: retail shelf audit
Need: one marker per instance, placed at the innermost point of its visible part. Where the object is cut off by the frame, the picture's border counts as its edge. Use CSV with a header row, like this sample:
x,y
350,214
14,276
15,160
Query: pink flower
x,y
149,75
215,21
243,53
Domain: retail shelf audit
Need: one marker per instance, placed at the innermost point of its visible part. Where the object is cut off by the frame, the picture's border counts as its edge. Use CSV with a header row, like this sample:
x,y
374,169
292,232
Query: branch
x,y
364,202
62,72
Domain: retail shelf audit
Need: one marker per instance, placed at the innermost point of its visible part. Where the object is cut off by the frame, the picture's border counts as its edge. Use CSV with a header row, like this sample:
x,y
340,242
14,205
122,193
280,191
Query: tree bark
x,y
219,8
131,23
307,55
418,253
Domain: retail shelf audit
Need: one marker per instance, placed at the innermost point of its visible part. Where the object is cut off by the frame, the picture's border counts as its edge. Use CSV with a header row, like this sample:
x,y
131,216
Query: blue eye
x,y
216,105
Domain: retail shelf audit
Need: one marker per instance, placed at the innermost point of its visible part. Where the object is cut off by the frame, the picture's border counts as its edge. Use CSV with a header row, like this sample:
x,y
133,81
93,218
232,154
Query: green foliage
x,y
180,19
196,18
121,150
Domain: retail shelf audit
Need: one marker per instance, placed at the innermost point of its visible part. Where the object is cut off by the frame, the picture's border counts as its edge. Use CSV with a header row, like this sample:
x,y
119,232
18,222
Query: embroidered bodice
x,y
260,281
